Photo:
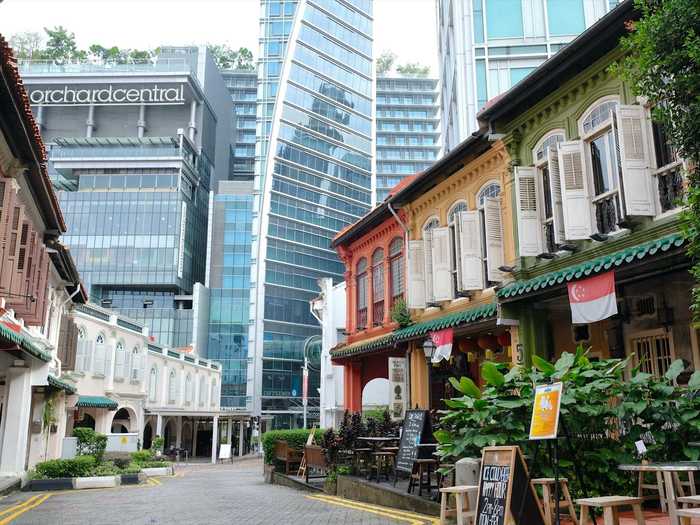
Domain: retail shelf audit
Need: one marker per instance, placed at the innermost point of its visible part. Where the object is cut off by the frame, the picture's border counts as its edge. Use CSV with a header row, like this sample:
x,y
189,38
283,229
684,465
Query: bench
x,y
287,455
689,500
610,506
549,500
686,515
316,461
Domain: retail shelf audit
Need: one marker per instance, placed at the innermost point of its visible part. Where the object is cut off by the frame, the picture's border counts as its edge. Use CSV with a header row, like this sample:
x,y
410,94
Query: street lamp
x,y
428,351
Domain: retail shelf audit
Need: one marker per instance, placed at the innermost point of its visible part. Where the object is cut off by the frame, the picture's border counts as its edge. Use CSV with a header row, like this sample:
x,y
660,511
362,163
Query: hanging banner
x,y
593,299
397,387
545,412
443,342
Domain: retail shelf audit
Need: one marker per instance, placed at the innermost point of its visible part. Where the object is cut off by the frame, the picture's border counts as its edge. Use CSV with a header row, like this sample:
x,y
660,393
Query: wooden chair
x,y
689,500
549,498
686,515
315,461
287,455
461,509
383,459
422,475
610,506
361,459
657,487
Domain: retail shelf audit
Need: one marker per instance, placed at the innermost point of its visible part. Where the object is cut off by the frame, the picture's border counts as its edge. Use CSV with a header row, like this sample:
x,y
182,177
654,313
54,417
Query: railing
x,y
140,150
163,65
362,318
671,186
378,313
607,212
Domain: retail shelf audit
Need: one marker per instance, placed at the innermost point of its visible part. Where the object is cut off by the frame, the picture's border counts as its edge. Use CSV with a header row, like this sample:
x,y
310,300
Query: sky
x,y
406,27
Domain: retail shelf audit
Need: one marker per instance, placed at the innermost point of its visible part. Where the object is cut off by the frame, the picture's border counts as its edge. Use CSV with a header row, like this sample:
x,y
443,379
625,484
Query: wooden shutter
x,y
530,238
428,265
416,275
108,361
574,191
635,159
456,240
99,362
555,194
120,363
471,257
442,265
494,238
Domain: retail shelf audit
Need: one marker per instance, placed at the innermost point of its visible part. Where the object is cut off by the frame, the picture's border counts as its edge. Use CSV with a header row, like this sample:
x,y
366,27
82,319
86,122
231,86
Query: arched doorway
x,y
86,422
169,434
375,394
122,421
147,435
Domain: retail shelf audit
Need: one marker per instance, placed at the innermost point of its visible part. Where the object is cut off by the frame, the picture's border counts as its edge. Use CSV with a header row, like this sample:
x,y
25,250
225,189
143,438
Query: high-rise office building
x,y
133,151
243,86
487,46
313,177
408,129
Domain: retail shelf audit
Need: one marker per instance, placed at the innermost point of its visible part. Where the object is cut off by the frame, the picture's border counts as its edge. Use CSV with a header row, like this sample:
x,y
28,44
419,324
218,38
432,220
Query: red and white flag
x,y
443,343
593,299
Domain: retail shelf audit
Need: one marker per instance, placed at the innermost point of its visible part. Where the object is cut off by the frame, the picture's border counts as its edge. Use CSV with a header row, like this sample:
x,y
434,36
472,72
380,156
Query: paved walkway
x,y
221,494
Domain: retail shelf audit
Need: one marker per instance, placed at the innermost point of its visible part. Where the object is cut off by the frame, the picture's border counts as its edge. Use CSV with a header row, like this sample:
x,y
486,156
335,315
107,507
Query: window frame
x,y
545,190
378,284
455,243
361,280
153,384
396,267
481,196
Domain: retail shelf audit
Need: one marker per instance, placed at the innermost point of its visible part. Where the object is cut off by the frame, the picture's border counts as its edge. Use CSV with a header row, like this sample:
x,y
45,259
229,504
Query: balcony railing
x,y
608,212
162,65
361,318
671,186
378,313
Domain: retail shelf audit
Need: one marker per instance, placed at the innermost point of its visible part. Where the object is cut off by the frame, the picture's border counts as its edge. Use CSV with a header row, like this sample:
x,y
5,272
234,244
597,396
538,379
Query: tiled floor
x,y
650,517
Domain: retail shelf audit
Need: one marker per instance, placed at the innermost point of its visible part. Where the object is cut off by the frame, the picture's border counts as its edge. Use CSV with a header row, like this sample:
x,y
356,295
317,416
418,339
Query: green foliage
x,y
66,468
413,69
132,468
400,314
61,46
120,459
90,443
156,463
385,63
228,58
296,439
663,65
107,468
142,456
601,412
158,443
27,45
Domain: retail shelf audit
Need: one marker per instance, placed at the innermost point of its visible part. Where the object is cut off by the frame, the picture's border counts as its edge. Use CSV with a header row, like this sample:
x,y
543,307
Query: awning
x,y
592,267
23,343
61,385
363,347
96,402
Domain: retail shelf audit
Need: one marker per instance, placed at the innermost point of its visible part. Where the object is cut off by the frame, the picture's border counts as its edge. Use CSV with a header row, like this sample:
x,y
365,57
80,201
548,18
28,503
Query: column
x,y
350,302
178,432
353,386
192,125
229,433
214,438
419,379
90,122
40,117
387,287
141,122
18,400
241,440
159,425
194,437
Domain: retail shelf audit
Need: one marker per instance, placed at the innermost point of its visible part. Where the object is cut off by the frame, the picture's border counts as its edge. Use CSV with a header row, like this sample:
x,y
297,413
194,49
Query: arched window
x,y
135,364
491,190
120,361
172,387
202,391
600,114
153,385
212,400
188,389
82,351
397,269
548,184
378,287
98,362
362,298
455,209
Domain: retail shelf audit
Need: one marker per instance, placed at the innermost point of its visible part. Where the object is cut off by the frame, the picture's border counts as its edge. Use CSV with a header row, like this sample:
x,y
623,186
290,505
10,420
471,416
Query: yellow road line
x,y
16,506
408,517
24,509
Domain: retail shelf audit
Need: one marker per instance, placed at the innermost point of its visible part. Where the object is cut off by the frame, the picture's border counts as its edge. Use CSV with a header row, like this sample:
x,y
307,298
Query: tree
x,y
228,58
116,55
385,63
27,45
663,64
61,45
413,69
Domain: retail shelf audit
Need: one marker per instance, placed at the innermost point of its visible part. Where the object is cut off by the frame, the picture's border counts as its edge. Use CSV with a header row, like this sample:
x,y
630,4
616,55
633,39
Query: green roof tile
x,y
24,343
61,385
96,402
592,267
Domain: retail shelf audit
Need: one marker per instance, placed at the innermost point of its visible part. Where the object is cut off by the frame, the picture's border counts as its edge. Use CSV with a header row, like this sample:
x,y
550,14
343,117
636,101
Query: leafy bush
x,y
120,459
155,464
158,443
142,456
132,468
296,439
90,443
66,468
601,413
107,468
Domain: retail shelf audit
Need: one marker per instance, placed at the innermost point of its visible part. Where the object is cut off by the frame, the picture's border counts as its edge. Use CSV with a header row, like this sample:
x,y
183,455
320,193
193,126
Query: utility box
x,y
467,472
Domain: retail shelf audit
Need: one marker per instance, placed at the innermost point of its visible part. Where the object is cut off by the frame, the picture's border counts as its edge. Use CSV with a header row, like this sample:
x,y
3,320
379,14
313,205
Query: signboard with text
x,y
108,95
545,412
397,387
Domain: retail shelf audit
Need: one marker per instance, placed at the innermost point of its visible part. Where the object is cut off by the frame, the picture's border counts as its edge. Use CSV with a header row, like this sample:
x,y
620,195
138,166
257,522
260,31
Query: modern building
x,y
133,152
488,46
408,129
314,161
243,86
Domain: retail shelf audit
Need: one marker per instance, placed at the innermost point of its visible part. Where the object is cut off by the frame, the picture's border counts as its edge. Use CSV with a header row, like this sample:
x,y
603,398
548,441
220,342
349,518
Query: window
x,y
453,222
213,393
549,187
396,267
120,361
362,294
135,364
202,391
430,225
153,385
654,351
491,233
172,387
565,17
504,19
82,351
670,182
378,287
188,390
99,355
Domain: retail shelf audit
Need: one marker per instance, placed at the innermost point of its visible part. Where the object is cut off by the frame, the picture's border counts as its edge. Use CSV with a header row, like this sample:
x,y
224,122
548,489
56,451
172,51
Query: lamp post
x,y
428,351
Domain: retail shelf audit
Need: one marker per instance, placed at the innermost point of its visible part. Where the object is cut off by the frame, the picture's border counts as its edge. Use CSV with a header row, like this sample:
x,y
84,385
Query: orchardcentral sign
x,y
108,96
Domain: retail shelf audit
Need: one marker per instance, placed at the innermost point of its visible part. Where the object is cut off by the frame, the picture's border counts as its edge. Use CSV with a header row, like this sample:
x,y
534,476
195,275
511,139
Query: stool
x,y
381,461
657,487
421,468
361,456
610,505
461,509
689,500
686,515
549,500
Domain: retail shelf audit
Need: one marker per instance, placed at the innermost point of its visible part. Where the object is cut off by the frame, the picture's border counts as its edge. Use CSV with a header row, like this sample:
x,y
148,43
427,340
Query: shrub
x,y
66,468
158,443
142,456
296,439
120,459
132,468
106,469
90,443
155,464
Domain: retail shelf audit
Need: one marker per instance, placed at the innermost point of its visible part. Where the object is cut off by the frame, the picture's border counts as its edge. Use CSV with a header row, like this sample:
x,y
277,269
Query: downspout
x,y
70,298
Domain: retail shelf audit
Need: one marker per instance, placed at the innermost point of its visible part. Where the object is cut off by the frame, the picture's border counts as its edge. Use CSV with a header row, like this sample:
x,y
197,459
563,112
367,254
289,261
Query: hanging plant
x,y
400,314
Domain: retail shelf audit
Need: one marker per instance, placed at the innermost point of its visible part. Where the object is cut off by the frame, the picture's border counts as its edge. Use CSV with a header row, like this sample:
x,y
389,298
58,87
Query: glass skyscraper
x,y
408,129
243,87
313,176
487,46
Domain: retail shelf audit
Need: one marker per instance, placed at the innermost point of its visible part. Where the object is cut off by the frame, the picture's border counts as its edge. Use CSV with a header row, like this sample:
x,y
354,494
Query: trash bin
x,y
467,471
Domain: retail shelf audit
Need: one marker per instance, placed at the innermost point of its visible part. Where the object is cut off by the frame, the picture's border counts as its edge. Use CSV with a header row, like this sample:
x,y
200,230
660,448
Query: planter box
x,y
132,479
158,471
269,473
97,482
49,484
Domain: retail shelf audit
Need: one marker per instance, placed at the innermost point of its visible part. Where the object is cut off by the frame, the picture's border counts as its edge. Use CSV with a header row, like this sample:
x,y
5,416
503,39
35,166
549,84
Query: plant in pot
x,y
157,444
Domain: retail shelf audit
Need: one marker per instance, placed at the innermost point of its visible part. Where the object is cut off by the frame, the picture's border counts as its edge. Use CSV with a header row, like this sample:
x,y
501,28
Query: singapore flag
x,y
443,343
593,299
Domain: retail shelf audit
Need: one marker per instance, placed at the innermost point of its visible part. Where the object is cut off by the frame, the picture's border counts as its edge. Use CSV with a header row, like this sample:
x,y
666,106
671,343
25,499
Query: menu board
x,y
506,497
413,433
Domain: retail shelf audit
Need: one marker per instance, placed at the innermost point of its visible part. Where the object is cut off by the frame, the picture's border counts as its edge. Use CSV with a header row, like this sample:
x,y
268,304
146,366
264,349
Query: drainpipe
x,y
70,298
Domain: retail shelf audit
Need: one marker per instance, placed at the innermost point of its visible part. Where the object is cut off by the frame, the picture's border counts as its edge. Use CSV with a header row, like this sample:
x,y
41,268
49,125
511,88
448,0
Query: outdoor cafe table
x,y
667,469
378,442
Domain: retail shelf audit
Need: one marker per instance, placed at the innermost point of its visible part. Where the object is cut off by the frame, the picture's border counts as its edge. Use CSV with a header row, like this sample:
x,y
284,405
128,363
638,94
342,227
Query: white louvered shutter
x,y
635,158
80,355
108,361
456,240
530,238
471,257
428,265
416,275
574,191
494,238
89,355
119,363
555,193
442,265
99,363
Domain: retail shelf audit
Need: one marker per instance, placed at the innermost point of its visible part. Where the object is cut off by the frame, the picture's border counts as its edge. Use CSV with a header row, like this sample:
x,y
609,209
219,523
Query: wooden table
x,y
667,469
377,443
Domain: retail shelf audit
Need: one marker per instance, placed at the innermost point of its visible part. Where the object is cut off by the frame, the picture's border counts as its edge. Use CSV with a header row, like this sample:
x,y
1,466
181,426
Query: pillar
x,y
419,379
192,125
159,425
90,122
178,432
229,432
40,117
15,421
241,440
194,437
214,438
141,122
353,386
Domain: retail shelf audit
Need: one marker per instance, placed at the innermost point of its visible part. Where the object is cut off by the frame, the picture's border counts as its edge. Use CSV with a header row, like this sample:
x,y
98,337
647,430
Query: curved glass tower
x,y
314,160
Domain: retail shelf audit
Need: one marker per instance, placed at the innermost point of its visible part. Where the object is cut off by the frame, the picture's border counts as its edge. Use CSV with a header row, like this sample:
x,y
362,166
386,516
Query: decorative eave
x,y
60,384
96,402
23,343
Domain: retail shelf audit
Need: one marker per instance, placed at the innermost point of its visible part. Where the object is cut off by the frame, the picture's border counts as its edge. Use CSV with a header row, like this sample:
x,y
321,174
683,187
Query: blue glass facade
x,y
314,175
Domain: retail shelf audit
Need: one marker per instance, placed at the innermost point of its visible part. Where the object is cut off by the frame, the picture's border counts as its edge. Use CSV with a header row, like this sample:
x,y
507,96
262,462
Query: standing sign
x,y
225,451
545,412
416,429
506,496
397,387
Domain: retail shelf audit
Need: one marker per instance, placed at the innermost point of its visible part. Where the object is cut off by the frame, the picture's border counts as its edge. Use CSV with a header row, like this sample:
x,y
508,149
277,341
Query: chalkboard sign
x,y
506,496
416,429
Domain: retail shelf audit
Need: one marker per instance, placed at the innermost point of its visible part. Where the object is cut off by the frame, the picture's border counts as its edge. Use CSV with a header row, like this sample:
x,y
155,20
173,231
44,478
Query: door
x,y
653,351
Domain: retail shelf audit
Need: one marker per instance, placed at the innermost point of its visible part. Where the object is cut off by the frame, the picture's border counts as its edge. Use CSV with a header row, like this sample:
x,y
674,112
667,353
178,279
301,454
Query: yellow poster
x,y
545,412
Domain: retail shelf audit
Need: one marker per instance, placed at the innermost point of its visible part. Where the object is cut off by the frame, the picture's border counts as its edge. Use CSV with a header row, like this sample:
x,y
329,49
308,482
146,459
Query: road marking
x,y
153,481
24,507
16,506
387,512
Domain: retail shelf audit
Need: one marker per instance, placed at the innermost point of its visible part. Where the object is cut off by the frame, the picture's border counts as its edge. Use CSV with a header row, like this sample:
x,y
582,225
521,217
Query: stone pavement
x,y
221,494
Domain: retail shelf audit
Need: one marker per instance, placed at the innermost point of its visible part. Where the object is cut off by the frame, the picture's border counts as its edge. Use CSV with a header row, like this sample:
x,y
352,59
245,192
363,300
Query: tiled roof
x,y
592,267
61,385
363,347
25,344
96,402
